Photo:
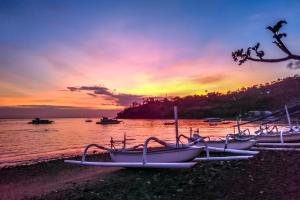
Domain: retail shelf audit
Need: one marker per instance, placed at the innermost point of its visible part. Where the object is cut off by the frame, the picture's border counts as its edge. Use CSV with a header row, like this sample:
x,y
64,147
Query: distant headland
x,y
268,96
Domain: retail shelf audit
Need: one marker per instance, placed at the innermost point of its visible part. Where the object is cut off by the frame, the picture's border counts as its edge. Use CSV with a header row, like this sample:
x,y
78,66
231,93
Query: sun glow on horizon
x,y
122,52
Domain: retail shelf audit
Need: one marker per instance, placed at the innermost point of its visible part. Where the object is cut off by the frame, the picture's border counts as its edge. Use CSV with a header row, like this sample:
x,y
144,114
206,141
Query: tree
x,y
257,55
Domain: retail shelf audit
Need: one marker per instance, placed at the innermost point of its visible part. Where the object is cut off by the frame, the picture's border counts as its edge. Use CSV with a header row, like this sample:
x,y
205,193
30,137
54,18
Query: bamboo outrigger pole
x,y
176,126
288,116
238,125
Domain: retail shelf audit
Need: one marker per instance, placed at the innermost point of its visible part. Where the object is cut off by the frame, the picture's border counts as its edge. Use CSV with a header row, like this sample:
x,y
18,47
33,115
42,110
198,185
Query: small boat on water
x,y
212,119
88,120
40,121
169,123
106,120
226,122
213,123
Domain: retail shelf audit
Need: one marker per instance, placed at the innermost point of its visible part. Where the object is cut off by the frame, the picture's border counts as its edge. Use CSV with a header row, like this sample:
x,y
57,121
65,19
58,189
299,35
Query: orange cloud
x,y
210,79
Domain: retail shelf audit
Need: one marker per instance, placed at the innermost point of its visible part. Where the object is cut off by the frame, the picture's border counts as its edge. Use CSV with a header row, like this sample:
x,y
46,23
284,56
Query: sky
x,y
58,54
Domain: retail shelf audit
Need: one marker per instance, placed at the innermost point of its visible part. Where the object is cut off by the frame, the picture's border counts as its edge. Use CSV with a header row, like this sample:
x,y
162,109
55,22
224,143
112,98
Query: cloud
x,y
91,94
121,99
210,79
72,89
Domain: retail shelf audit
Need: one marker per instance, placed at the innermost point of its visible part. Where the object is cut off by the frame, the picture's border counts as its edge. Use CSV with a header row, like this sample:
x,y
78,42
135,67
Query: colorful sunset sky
x,y
61,54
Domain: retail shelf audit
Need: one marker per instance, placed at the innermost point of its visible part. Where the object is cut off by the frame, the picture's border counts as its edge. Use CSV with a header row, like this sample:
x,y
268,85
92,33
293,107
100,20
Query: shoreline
x,y
270,175
39,161
26,181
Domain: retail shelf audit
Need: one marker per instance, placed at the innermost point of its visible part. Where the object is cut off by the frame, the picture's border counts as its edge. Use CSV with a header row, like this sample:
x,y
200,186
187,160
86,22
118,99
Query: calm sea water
x,y
23,143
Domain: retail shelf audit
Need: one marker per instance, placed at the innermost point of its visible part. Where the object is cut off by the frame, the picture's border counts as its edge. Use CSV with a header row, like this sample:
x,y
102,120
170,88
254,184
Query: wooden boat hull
x,y
172,155
238,145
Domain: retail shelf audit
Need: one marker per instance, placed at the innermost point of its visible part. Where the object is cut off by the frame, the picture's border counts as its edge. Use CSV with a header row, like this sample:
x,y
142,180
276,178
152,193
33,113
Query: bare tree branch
x,y
269,60
242,56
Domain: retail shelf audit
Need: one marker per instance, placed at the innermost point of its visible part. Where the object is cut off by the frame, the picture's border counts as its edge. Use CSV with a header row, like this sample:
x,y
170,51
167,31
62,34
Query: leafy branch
x,y
255,54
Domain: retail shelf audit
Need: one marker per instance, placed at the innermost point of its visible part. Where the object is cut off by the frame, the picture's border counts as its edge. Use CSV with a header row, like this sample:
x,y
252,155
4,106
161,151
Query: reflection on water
x,y
22,143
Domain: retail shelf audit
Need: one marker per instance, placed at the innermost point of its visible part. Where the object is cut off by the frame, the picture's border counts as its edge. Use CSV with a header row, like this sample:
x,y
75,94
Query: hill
x,y
268,96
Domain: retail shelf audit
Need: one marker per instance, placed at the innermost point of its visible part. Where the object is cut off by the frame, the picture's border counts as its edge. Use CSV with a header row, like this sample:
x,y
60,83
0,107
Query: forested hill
x,y
269,96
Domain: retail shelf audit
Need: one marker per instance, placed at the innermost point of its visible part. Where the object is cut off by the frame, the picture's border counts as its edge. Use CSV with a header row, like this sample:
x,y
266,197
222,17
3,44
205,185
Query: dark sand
x,y
271,175
34,180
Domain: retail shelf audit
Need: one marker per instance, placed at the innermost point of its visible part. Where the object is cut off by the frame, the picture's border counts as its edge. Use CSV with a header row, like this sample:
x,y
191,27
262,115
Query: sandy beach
x,y
35,180
270,175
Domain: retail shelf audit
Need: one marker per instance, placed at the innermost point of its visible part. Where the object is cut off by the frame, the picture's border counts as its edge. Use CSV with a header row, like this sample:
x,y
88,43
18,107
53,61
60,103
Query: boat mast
x,y
238,125
288,116
176,125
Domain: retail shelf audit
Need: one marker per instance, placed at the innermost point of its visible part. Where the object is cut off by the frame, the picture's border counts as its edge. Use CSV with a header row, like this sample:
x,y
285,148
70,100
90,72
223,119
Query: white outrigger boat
x,y
286,136
170,156
228,143
270,135
238,145
270,138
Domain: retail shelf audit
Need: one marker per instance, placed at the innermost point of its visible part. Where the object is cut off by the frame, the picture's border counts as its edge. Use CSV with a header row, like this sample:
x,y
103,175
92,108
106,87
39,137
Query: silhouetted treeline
x,y
269,96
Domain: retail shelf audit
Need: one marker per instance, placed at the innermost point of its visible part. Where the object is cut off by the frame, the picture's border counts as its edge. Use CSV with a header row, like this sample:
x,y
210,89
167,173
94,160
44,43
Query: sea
x,y
22,143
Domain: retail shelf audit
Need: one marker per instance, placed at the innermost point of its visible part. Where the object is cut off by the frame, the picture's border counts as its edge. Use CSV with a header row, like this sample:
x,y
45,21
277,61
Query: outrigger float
x,y
170,156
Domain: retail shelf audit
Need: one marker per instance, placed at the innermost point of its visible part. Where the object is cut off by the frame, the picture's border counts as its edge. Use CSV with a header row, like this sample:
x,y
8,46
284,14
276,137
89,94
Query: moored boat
x,y
168,155
229,142
106,120
274,138
239,145
40,121
169,123
226,122
212,119
213,123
